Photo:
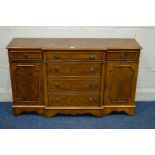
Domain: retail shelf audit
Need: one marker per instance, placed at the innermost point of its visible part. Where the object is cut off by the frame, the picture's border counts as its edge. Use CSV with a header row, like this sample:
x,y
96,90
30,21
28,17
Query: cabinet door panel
x,y
121,80
27,83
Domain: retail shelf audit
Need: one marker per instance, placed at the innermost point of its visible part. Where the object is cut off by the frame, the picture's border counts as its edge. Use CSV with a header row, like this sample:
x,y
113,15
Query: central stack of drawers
x,y
74,78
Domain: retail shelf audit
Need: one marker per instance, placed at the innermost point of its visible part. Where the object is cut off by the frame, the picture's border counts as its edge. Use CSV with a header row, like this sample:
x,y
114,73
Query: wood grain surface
x,y
73,75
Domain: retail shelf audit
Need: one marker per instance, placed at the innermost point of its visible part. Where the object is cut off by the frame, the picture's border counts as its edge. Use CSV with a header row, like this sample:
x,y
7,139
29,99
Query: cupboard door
x,y
120,85
27,83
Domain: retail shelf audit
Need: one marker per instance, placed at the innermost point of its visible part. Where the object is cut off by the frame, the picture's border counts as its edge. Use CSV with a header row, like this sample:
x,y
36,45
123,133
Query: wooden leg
x,y
130,111
16,112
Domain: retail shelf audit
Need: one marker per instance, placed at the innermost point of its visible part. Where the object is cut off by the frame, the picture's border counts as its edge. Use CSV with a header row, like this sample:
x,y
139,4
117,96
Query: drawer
x,y
25,55
74,85
74,100
74,69
74,56
122,55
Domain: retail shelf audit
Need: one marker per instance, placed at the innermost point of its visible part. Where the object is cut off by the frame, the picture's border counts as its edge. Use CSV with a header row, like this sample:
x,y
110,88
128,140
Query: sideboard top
x,y
73,43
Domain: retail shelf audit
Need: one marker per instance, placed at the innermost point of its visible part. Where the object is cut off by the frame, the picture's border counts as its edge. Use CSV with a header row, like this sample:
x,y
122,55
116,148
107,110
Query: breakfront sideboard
x,y
73,75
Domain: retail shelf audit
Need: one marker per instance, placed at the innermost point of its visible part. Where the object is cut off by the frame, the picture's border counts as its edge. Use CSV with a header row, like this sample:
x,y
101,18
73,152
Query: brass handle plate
x,y
91,69
92,57
57,100
57,85
56,57
90,100
122,55
91,84
56,70
25,55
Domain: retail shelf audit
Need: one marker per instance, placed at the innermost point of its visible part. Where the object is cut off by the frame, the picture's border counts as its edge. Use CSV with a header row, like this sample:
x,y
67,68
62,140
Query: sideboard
x,y
52,76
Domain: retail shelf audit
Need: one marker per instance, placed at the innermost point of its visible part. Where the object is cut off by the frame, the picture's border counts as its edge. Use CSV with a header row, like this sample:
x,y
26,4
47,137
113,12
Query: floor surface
x,y
144,118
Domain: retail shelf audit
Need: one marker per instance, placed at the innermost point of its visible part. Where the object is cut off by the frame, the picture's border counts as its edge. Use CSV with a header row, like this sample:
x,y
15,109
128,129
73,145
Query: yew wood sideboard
x,y
73,75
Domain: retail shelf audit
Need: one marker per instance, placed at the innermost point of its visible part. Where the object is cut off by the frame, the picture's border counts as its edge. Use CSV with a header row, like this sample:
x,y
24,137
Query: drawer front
x,y
25,55
74,85
74,56
74,100
122,55
74,69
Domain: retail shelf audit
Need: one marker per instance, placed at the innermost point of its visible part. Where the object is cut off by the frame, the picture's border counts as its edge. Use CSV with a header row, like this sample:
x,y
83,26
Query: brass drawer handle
x,y
25,55
91,69
57,85
56,70
91,84
92,57
57,100
122,55
56,57
90,100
